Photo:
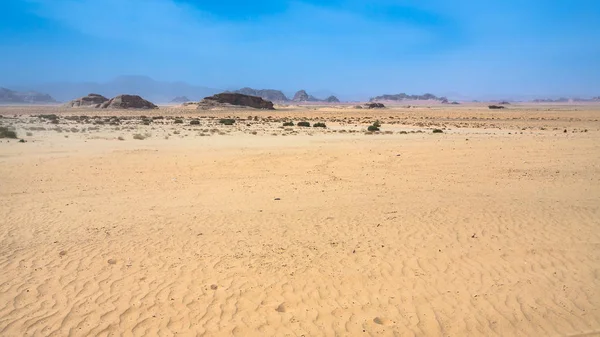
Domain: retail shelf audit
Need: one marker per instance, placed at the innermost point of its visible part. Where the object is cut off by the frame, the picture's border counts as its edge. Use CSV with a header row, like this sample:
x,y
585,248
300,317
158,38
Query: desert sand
x,y
491,228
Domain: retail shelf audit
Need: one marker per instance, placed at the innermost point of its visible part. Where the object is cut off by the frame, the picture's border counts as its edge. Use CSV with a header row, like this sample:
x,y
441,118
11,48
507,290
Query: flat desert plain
x,y
490,228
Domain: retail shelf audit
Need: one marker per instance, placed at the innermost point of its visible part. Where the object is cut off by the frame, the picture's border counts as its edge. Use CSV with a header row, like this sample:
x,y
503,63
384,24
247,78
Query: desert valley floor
x,y
490,228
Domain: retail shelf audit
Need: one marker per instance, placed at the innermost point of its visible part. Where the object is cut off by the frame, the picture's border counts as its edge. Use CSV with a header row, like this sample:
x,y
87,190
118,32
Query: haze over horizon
x,y
352,49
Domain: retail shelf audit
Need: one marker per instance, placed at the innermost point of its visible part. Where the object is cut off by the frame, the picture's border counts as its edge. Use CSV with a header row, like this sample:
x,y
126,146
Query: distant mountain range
x,y
166,92
155,91
566,100
268,94
278,96
406,97
8,96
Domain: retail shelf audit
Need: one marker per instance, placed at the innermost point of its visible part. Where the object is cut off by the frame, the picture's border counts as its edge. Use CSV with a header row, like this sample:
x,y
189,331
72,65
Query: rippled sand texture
x,y
425,235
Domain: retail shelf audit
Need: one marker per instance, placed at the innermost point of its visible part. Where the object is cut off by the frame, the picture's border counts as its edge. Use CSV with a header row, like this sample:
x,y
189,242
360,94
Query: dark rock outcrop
x,y
374,105
266,94
180,99
332,99
91,100
237,100
128,102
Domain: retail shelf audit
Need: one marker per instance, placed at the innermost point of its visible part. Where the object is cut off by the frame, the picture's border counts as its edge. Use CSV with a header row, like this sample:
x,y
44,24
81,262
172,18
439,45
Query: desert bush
x,y
48,117
304,124
227,121
178,121
438,131
372,128
29,134
495,107
120,138
139,136
319,125
194,122
288,124
377,124
7,133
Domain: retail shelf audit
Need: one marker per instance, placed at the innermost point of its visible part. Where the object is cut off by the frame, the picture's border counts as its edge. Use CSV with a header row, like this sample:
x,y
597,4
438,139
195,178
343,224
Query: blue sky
x,y
353,48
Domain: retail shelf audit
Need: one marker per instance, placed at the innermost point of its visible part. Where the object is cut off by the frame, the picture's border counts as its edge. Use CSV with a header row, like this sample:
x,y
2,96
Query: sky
x,y
467,48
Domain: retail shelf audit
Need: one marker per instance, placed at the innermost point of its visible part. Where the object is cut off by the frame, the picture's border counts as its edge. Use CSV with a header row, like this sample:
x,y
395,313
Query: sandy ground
x,y
491,228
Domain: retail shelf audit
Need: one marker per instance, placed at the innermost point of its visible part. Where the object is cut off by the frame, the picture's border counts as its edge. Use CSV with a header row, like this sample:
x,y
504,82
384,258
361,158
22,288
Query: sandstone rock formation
x,y
228,98
91,100
128,102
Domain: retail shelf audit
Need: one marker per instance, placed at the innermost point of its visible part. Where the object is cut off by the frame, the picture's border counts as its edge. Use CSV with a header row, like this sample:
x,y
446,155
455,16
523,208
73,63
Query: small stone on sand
x,y
281,308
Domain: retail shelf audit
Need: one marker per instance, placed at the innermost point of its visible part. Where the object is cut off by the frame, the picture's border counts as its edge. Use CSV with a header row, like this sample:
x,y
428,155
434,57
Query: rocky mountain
x,y
303,96
267,94
180,99
9,96
406,97
128,102
90,101
332,99
156,91
229,98
28,97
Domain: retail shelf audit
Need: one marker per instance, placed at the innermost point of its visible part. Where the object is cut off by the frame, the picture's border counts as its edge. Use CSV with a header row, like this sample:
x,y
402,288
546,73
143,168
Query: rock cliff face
x,y
91,101
266,94
128,102
237,100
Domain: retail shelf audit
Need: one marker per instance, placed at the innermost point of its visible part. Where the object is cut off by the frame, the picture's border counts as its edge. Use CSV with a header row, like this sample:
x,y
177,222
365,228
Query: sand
x,y
491,228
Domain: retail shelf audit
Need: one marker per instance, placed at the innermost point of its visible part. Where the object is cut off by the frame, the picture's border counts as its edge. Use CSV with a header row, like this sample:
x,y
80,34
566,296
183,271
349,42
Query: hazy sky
x,y
471,47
